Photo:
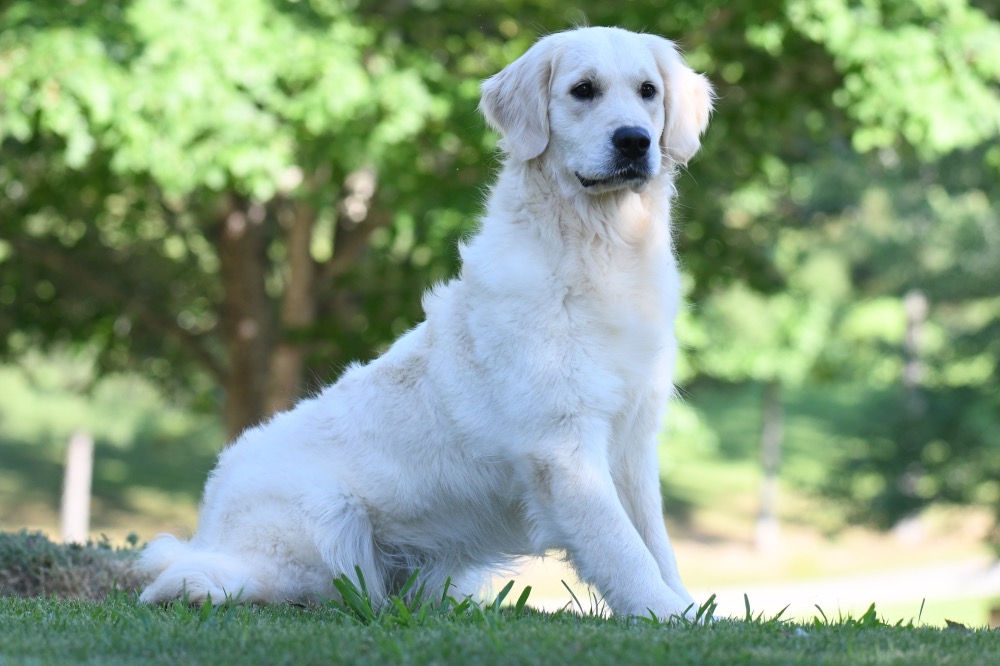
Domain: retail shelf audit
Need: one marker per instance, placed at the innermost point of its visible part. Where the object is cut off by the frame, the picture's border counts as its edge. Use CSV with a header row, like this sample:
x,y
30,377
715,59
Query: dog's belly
x,y
472,512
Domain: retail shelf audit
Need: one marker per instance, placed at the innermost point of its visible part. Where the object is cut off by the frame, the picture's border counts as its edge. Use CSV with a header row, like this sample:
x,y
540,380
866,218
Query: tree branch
x,y
356,221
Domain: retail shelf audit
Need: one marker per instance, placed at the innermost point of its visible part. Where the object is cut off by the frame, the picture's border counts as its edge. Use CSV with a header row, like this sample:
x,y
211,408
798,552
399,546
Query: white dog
x,y
521,416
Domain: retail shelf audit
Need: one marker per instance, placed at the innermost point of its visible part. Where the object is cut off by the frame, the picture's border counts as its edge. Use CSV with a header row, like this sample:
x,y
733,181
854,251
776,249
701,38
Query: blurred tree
x,y
739,335
934,434
191,183
230,194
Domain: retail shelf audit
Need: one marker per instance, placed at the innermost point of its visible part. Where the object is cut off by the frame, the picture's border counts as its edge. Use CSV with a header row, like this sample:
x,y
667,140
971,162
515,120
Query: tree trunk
x,y
916,306
912,436
266,346
767,535
298,308
247,313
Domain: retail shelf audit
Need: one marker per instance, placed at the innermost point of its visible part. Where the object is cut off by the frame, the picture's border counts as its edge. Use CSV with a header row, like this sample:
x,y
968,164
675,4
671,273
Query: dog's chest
x,y
622,313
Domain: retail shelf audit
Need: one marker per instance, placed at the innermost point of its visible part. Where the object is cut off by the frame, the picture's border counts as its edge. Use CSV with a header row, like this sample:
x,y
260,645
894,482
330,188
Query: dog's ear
x,y
688,100
515,102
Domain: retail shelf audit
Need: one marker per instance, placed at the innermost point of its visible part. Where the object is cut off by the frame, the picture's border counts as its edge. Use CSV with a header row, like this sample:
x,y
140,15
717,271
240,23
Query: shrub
x,y
31,565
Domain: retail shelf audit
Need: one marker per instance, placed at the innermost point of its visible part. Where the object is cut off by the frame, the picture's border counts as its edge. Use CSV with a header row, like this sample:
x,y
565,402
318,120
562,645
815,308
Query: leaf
x,y
522,600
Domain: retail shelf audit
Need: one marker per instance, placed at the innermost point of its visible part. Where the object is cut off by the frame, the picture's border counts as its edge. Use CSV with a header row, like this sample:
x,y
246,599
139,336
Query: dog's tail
x,y
180,570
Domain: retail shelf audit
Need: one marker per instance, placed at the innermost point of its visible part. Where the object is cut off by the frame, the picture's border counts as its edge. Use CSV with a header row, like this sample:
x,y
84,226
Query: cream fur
x,y
521,415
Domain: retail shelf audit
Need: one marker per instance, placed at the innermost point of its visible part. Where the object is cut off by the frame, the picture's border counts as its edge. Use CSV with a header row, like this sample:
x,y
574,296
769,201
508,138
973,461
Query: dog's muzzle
x,y
630,162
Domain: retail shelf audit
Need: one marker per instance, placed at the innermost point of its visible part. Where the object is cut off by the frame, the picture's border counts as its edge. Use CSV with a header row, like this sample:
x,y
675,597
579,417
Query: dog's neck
x,y
533,193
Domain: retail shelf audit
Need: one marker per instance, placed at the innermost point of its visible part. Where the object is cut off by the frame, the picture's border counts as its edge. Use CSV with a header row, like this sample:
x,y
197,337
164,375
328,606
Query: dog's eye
x,y
647,90
583,90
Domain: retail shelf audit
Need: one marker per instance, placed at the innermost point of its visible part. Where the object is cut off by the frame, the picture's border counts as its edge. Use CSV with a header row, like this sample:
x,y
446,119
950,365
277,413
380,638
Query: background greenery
x,y
216,204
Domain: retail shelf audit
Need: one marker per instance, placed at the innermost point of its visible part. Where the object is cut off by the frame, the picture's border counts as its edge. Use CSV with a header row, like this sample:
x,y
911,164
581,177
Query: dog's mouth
x,y
620,177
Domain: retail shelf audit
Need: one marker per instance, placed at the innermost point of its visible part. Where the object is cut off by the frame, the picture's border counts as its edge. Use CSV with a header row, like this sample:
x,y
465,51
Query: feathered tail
x,y
180,570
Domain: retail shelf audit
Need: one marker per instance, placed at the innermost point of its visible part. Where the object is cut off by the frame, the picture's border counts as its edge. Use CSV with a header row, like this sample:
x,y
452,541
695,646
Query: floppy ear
x,y
688,100
515,102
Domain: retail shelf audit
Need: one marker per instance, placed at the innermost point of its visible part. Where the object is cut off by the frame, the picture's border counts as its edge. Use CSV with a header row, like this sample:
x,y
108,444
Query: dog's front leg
x,y
636,476
574,501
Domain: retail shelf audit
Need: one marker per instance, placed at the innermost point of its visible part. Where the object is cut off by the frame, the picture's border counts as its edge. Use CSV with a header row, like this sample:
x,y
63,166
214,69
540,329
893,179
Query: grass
x,y
418,627
940,613
121,631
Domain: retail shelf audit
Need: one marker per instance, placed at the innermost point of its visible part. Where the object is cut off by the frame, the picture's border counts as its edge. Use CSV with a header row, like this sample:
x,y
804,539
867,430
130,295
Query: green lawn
x,y
120,631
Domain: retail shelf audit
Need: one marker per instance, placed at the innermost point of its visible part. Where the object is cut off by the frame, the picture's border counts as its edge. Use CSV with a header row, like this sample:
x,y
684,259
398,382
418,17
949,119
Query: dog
x,y
522,414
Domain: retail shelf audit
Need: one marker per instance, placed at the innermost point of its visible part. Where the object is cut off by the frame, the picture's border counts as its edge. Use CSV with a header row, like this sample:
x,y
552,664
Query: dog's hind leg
x,y
346,541
459,582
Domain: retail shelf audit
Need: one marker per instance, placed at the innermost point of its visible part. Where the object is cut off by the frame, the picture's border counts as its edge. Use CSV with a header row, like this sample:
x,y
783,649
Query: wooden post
x,y
911,437
74,514
767,535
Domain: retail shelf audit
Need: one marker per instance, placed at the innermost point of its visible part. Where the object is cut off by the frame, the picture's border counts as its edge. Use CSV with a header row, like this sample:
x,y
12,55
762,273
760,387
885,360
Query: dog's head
x,y
608,107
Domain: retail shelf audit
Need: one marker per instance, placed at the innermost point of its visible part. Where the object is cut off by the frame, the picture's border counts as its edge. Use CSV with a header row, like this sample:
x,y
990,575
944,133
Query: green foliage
x,y
924,70
780,336
937,446
217,95
151,108
870,619
853,156
935,229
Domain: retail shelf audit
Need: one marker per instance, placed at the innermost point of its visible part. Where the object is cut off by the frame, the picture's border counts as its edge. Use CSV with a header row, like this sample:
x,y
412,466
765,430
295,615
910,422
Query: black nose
x,y
631,142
